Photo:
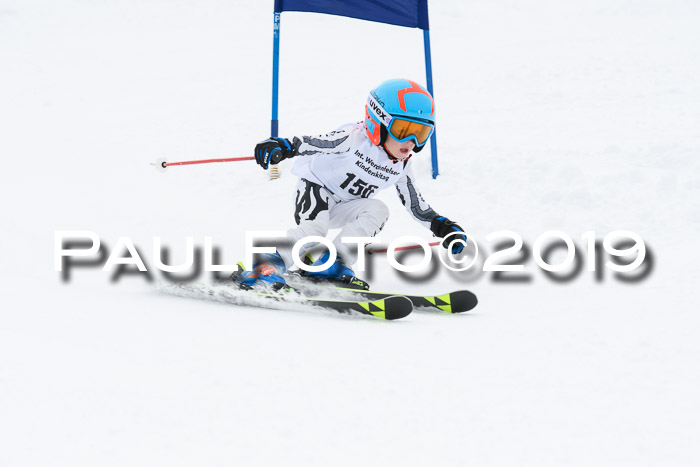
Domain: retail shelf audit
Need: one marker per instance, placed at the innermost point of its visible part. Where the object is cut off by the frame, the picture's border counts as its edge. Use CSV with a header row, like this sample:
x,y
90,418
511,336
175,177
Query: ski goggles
x,y
405,130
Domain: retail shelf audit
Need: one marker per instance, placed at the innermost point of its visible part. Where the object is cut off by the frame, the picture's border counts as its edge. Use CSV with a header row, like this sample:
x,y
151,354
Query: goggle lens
x,y
404,129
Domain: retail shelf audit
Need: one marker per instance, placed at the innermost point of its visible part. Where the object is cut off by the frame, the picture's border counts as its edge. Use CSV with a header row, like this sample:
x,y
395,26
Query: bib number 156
x,y
359,188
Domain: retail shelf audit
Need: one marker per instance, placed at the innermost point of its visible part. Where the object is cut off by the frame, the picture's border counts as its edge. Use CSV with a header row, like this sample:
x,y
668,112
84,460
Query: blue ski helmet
x,y
402,109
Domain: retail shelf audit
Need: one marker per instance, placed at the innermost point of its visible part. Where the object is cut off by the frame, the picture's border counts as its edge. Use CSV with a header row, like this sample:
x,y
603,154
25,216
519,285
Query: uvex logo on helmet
x,y
378,110
381,113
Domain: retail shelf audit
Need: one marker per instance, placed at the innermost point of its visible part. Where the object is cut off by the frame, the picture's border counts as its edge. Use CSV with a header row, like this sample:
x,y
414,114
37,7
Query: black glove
x,y
442,227
272,151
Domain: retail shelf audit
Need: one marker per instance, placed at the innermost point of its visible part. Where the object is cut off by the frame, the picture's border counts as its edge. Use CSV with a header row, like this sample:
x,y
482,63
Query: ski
x,y
389,307
458,301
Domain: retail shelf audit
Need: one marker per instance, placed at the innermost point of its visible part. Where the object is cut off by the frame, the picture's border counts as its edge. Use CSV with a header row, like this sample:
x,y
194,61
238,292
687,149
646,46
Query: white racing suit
x,y
340,173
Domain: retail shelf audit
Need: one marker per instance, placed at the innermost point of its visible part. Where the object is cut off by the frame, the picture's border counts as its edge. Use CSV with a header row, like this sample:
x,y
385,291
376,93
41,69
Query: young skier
x,y
341,172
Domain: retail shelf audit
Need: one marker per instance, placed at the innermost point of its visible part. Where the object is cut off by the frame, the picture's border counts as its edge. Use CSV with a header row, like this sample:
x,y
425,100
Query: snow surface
x,y
564,115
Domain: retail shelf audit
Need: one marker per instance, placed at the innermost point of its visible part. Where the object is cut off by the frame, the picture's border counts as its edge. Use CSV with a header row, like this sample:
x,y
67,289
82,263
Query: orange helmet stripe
x,y
414,88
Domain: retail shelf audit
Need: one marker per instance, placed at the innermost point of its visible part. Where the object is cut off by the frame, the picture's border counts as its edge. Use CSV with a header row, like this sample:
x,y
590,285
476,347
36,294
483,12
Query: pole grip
x,y
276,157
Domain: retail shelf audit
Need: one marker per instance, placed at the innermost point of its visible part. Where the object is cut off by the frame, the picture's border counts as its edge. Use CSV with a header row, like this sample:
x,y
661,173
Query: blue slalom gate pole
x,y
429,78
274,122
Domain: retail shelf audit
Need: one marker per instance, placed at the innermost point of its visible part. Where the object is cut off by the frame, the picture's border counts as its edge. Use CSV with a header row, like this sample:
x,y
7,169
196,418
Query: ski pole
x,y
162,164
409,247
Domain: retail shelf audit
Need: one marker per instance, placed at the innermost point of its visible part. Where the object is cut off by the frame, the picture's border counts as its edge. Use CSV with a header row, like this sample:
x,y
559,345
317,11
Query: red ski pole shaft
x,y
207,161
162,164
409,247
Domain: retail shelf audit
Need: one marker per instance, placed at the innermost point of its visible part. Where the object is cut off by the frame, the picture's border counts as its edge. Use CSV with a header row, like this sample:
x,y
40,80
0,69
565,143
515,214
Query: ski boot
x,y
268,270
338,272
